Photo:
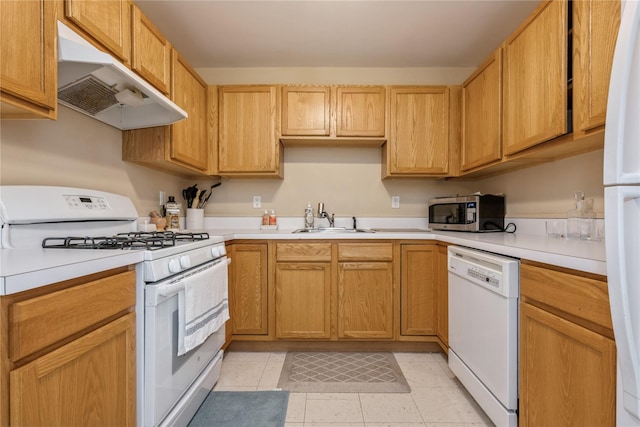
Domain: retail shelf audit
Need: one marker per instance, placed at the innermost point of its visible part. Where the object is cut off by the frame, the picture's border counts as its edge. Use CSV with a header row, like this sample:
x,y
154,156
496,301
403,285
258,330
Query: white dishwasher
x,y
483,329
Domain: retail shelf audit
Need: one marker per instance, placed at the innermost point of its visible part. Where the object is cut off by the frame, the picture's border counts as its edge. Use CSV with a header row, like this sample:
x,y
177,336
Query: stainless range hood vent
x,y
96,84
88,94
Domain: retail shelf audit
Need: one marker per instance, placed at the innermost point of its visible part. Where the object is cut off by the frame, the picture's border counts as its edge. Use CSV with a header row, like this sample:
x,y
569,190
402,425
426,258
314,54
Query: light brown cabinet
x,y
306,110
303,290
28,65
68,353
342,114
183,147
567,353
442,296
419,132
418,289
360,111
535,78
248,293
150,51
365,290
108,23
248,129
481,142
595,30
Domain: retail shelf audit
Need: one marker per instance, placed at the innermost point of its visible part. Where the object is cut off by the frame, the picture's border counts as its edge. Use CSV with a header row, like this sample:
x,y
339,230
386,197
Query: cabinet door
x,y
150,51
482,114
248,305
365,300
535,79
90,381
28,67
107,21
305,110
567,373
417,290
419,131
442,295
189,143
248,141
303,300
595,29
360,111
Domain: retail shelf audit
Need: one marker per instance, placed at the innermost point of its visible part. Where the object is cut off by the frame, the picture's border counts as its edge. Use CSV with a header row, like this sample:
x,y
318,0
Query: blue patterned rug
x,y
242,409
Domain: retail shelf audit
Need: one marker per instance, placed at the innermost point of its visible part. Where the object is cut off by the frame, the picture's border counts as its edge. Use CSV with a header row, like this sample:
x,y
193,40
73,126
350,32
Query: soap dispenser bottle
x,y
308,217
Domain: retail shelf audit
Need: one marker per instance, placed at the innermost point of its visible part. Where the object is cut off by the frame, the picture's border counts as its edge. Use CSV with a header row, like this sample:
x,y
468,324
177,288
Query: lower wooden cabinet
x,y
365,290
417,289
442,295
90,381
69,353
303,300
248,289
567,352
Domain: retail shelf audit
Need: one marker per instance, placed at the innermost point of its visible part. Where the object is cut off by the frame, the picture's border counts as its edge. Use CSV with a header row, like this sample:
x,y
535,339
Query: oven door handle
x,y
176,285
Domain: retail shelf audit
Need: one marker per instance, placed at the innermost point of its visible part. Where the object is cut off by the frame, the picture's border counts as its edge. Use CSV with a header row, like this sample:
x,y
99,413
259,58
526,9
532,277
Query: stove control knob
x,y
215,252
223,250
185,261
174,266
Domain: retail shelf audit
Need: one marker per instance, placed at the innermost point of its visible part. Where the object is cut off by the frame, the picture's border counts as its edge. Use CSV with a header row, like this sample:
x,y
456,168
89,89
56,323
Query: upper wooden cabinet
x,y
182,148
189,142
107,22
342,114
305,110
150,51
360,111
248,129
595,30
28,63
535,78
419,133
481,141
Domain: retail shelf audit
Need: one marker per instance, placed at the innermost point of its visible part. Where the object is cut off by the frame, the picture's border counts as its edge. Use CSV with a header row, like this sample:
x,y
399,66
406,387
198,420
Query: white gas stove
x,y
173,378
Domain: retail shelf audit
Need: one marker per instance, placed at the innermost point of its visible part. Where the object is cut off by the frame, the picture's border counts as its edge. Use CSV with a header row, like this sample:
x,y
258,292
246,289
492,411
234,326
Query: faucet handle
x,y
320,207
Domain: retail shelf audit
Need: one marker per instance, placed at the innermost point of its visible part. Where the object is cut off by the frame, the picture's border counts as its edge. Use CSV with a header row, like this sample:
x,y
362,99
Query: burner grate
x,y
134,240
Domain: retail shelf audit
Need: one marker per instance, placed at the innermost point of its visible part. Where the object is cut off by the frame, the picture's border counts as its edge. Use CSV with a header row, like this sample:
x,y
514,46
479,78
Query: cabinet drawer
x,y
365,251
303,252
41,321
579,296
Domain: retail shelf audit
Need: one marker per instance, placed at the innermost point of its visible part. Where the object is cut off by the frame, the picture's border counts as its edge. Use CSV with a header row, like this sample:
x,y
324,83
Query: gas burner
x,y
133,240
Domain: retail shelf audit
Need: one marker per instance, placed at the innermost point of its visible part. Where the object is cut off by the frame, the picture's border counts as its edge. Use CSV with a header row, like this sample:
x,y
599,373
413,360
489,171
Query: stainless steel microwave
x,y
478,213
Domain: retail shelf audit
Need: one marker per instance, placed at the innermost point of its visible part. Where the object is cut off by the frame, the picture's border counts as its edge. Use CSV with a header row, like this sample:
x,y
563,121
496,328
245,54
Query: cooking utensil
x,y
206,199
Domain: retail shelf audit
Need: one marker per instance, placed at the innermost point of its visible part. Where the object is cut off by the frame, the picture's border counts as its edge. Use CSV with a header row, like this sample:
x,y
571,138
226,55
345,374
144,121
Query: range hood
x,y
96,84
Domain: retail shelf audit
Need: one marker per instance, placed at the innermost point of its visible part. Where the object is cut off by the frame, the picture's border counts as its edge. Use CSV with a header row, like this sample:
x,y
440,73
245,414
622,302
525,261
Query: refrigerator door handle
x,y
622,231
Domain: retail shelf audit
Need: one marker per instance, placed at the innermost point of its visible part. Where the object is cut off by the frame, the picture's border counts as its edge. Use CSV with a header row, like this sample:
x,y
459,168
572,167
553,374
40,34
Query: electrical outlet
x,y
257,202
395,202
163,198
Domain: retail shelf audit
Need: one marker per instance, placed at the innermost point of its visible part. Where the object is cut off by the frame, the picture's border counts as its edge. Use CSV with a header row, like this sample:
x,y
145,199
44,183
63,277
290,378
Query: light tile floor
x,y
437,399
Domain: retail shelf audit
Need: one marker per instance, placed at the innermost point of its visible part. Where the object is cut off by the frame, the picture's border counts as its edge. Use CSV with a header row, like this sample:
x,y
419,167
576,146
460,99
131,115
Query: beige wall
x,y
81,152
546,191
77,151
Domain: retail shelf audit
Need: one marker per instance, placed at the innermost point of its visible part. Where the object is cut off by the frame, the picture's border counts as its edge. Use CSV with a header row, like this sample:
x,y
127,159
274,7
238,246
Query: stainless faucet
x,y
323,214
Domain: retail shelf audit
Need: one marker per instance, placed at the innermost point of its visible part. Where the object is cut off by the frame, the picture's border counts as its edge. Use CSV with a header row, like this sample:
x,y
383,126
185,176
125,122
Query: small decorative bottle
x,y
308,217
272,218
172,210
265,218
574,217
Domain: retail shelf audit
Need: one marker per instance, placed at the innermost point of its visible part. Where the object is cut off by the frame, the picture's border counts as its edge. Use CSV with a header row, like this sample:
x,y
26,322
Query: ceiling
x,y
328,33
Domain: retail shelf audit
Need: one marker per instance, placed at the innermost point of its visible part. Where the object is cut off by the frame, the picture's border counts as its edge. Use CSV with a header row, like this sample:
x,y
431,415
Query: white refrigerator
x,y
622,210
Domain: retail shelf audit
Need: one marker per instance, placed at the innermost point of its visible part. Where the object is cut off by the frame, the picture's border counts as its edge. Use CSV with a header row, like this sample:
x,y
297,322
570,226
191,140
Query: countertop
x,y
27,268
587,256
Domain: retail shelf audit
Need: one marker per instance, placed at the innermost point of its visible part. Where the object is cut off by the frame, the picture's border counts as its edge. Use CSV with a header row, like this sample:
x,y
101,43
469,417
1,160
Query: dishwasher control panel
x,y
494,272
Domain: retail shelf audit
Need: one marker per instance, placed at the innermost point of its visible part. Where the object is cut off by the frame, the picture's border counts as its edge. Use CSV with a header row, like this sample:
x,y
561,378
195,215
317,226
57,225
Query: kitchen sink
x,y
333,230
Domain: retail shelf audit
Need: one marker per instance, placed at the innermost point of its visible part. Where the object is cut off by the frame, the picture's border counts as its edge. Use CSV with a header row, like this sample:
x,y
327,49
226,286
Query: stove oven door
x,y
167,376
